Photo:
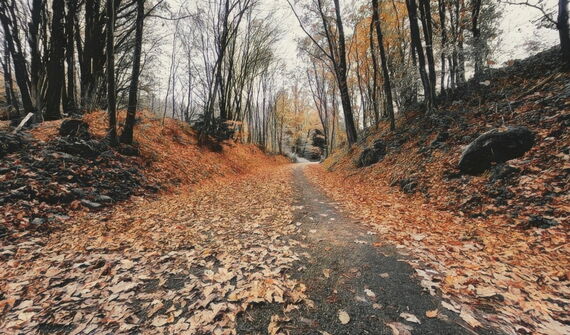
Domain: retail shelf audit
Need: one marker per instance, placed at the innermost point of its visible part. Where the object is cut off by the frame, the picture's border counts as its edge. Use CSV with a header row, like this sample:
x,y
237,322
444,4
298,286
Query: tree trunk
x,y
70,104
18,58
386,74
426,19
37,10
11,98
92,56
564,31
441,7
111,92
374,94
479,53
127,134
351,134
55,69
417,45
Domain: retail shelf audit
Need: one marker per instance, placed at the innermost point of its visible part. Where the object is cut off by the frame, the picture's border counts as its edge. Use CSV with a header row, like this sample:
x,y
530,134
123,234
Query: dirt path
x,y
344,271
260,254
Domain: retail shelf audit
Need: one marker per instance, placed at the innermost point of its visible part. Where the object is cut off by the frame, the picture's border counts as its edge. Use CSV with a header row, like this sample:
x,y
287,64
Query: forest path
x,y
345,272
261,253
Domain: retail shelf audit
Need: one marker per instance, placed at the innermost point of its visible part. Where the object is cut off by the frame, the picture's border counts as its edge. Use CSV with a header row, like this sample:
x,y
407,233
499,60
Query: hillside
x,y
48,175
498,240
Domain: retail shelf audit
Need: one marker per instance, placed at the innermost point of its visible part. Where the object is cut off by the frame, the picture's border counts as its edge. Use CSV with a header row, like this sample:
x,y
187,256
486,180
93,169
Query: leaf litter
x,y
186,262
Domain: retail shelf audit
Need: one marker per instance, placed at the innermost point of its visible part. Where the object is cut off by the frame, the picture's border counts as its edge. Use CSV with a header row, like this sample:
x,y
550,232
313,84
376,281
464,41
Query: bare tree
x,y
335,52
384,61
111,93
127,134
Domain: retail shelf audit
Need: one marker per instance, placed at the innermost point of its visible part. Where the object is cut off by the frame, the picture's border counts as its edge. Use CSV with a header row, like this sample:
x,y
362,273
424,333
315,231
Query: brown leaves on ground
x,y
520,278
185,263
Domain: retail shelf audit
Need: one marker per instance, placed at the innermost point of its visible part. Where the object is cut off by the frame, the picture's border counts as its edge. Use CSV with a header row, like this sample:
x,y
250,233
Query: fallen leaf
x,y
343,317
370,293
432,314
410,317
399,328
469,318
450,307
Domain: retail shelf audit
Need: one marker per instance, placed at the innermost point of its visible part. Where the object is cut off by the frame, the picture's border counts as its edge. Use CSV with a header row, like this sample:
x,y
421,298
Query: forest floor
x,y
260,253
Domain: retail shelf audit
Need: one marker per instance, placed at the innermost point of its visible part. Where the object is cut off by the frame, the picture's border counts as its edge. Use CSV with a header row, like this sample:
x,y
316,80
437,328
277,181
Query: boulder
x,y
74,128
90,204
372,155
103,199
495,147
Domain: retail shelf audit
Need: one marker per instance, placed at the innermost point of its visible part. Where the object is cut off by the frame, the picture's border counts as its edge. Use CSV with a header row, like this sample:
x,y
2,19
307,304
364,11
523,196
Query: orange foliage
x,y
170,152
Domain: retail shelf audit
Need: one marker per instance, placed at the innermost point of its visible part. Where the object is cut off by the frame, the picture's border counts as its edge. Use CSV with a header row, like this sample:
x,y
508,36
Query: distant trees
x,y
53,45
333,47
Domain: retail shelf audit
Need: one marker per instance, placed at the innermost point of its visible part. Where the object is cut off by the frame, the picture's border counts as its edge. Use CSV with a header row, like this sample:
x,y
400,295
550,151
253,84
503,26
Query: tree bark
x,y
70,103
37,10
18,58
477,43
442,19
55,69
425,11
564,31
11,98
374,94
351,134
386,74
127,134
92,56
111,92
417,46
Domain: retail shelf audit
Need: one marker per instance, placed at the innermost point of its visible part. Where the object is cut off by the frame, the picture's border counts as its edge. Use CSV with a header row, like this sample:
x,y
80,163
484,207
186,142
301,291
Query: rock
x,y
495,147
318,139
74,128
79,192
372,155
10,143
502,171
408,185
537,221
91,204
80,147
38,221
104,199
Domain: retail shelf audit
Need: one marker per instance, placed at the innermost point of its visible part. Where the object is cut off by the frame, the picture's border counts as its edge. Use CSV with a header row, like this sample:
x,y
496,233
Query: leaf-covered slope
x,y
423,154
47,176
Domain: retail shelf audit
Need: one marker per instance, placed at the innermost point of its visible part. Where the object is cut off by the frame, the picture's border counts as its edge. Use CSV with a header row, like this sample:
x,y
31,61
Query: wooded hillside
x,y
329,167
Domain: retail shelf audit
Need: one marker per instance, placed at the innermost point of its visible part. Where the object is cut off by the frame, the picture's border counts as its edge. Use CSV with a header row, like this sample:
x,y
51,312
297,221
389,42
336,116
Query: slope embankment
x,y
60,167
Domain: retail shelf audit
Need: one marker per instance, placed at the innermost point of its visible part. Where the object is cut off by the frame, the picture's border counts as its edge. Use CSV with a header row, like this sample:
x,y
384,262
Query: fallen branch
x,y
23,122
